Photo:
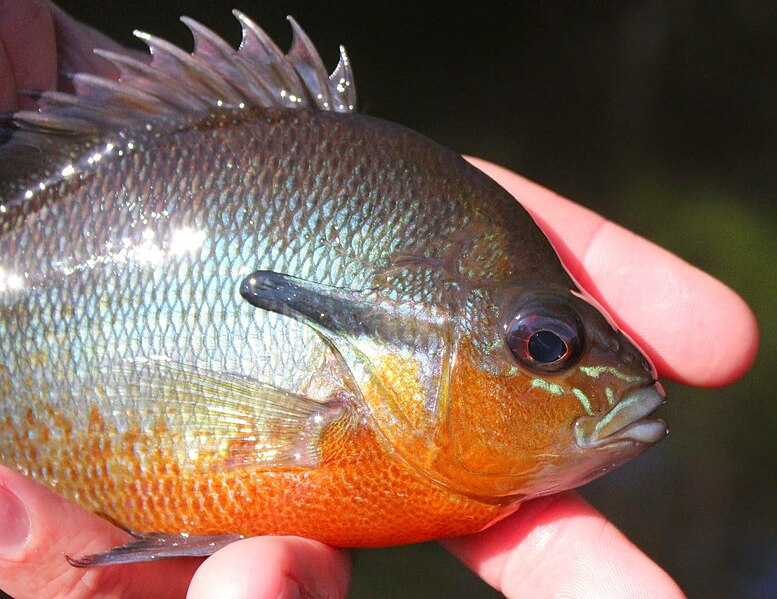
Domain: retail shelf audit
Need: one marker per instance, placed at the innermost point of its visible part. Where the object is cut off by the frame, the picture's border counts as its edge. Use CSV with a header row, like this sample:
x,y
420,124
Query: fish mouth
x,y
627,423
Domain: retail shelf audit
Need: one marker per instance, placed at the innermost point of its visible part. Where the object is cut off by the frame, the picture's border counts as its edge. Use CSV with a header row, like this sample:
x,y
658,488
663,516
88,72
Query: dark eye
x,y
545,336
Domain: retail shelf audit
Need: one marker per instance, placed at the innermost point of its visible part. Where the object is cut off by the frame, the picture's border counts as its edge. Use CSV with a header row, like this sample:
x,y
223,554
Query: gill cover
x,y
423,381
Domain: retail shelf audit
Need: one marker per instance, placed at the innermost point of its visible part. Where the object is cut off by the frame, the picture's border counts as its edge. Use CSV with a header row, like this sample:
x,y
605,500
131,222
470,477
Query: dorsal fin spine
x,y
206,41
309,67
257,74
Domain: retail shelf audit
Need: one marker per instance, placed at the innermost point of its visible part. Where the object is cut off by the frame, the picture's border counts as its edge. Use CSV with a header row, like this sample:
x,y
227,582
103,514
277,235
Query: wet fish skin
x,y
363,395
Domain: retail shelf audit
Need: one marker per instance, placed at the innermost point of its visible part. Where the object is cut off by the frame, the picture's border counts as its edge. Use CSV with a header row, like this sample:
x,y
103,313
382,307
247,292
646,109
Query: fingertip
x,y
272,567
38,529
561,547
46,511
27,50
15,522
241,570
696,329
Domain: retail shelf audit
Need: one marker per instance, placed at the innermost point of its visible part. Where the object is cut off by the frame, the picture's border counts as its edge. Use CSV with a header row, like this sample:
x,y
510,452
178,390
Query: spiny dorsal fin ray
x,y
206,42
257,74
165,91
309,67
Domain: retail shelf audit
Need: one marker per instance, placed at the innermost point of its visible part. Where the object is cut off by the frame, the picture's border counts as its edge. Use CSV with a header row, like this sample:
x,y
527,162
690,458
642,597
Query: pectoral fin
x,y
220,420
152,547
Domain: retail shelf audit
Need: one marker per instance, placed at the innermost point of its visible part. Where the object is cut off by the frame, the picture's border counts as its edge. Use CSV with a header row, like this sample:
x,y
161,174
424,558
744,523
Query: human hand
x,y
550,546
39,42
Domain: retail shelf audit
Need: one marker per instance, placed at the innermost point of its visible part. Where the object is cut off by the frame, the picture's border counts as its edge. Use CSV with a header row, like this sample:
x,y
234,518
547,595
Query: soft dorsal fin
x,y
213,75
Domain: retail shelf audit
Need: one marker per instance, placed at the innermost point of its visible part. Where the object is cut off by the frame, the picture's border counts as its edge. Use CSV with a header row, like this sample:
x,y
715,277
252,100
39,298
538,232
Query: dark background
x,y
660,115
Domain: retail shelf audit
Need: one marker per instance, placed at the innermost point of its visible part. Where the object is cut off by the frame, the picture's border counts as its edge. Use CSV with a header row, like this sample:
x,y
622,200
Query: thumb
x,y
39,528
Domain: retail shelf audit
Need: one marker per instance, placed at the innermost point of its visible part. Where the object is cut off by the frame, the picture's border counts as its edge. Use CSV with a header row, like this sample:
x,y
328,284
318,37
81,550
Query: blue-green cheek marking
x,y
555,389
605,420
584,401
596,371
551,388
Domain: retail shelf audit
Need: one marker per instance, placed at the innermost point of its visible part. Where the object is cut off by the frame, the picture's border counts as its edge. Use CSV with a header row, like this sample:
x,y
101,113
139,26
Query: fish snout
x,y
628,423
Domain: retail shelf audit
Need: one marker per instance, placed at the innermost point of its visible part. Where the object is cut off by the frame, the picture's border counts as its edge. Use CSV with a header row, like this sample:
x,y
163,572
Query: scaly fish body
x,y
267,320
267,208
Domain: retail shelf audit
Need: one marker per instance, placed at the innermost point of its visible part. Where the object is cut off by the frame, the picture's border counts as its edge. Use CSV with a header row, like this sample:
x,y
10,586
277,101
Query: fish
x,y
232,305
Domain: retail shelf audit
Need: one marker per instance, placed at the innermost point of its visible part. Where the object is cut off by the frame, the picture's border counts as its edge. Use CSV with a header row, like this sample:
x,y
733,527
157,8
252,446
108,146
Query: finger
x,y
39,42
273,568
38,529
695,329
561,547
76,42
27,51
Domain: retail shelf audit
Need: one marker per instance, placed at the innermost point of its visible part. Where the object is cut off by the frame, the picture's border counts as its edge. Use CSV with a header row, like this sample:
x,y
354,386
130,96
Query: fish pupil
x,y
546,347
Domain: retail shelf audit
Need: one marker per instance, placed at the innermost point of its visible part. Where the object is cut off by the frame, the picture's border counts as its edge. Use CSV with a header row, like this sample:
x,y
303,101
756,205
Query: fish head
x,y
545,394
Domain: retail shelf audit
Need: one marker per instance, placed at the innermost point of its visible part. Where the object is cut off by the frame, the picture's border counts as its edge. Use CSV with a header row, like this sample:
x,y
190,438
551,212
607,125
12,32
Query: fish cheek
x,y
507,426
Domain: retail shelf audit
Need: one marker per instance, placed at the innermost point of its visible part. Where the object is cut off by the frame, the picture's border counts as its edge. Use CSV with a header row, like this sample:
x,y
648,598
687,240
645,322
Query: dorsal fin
x,y
213,75
38,145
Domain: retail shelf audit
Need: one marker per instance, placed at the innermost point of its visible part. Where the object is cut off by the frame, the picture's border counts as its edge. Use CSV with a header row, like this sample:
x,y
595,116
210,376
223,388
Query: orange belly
x,y
359,496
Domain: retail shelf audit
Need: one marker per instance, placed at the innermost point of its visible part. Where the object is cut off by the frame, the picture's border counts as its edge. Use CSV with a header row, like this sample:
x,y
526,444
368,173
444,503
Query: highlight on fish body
x,y
230,305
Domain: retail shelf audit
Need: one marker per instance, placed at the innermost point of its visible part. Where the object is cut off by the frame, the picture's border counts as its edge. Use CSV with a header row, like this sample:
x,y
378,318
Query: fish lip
x,y
627,423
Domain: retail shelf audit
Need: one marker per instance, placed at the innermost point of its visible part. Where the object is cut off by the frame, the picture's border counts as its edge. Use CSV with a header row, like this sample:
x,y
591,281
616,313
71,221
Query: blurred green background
x,y
660,115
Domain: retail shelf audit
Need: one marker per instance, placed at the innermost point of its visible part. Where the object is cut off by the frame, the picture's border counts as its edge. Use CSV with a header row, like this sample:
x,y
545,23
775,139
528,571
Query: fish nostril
x,y
647,366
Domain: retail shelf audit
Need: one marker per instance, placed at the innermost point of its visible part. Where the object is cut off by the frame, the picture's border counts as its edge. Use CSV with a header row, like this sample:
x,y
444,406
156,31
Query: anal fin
x,y
156,546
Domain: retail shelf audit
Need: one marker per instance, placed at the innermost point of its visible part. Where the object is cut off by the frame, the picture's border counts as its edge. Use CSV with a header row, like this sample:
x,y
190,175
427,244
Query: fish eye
x,y
545,336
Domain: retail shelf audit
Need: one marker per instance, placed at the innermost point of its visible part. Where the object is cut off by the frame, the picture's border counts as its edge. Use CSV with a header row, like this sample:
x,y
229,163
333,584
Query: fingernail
x,y
14,522
290,590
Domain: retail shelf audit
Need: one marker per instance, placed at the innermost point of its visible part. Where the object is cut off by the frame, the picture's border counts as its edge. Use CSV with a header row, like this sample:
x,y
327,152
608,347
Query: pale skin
x,y
553,547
